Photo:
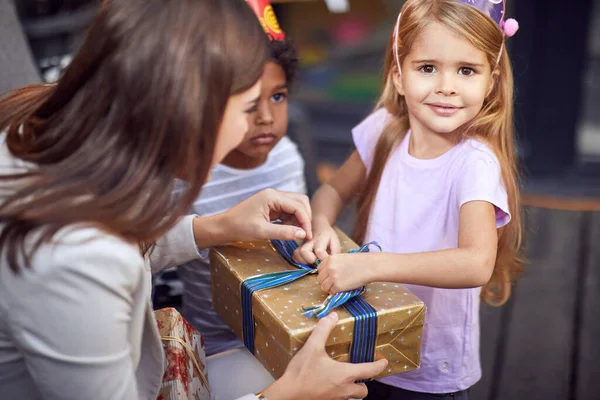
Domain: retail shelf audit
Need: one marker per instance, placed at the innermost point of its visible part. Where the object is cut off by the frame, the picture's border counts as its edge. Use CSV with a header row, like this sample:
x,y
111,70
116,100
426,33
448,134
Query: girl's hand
x,y
343,272
325,238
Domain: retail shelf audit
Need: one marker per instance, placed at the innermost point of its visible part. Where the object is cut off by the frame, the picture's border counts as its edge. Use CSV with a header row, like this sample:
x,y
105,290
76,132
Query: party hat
x,y
268,20
495,9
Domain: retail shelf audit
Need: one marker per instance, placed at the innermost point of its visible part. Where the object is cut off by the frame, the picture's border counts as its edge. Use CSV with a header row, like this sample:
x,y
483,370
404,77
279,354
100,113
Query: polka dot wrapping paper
x,y
280,327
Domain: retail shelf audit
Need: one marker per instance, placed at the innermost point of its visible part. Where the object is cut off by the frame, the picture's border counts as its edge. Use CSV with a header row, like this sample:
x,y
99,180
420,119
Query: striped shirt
x,y
283,170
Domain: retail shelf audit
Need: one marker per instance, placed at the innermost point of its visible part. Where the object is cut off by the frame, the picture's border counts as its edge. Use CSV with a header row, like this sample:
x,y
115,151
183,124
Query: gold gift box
x,y
280,327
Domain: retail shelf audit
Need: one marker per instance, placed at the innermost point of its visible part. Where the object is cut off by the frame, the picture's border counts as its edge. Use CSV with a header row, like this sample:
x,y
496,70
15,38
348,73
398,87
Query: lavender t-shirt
x,y
417,210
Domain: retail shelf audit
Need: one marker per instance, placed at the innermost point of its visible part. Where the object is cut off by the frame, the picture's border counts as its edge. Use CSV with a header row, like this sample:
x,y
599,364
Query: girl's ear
x,y
397,79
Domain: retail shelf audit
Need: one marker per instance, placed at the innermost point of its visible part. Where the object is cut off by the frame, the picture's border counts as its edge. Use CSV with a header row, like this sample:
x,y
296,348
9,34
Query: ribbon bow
x,y
365,316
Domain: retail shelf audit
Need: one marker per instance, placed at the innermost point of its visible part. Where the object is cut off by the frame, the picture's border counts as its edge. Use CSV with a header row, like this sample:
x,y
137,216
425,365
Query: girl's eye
x,y
278,97
427,69
466,71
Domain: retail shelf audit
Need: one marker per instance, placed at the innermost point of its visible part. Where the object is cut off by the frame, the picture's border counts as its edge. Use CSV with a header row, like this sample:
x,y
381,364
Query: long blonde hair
x,y
493,125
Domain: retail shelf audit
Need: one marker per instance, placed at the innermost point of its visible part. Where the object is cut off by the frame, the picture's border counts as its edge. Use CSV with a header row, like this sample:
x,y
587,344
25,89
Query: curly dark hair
x,y
284,54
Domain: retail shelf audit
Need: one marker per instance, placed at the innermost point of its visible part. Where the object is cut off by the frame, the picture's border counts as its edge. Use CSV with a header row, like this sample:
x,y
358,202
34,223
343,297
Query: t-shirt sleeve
x,y
366,134
481,180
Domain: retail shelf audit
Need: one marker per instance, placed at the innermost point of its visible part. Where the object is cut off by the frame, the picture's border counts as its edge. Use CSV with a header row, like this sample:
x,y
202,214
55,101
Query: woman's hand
x,y
325,239
312,374
251,220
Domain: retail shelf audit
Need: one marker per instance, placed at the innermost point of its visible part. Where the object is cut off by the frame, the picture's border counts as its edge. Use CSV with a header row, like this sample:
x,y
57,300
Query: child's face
x,y
444,80
235,123
268,124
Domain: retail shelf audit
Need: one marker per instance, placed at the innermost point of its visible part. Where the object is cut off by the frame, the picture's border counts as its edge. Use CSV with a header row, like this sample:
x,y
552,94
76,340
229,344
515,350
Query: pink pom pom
x,y
511,26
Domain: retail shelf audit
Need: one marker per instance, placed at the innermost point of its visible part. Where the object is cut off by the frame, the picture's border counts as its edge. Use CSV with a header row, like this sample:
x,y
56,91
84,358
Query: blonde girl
x,y
434,172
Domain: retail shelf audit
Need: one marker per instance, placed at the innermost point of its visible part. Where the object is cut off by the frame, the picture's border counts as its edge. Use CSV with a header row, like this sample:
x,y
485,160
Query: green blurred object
x,y
355,88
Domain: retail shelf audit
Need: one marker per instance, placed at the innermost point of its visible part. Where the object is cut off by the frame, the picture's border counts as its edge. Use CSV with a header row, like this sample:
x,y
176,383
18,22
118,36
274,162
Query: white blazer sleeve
x,y
176,247
70,317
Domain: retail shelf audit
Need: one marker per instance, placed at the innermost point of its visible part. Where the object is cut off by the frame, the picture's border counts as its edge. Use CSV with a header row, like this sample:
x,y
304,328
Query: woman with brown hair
x,y
157,93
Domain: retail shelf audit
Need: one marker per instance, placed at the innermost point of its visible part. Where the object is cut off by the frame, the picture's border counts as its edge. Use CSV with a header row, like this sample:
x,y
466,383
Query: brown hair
x,y
493,125
140,105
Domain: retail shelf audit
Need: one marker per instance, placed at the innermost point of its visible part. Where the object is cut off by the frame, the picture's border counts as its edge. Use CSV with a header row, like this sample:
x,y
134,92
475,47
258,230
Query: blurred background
x,y
544,343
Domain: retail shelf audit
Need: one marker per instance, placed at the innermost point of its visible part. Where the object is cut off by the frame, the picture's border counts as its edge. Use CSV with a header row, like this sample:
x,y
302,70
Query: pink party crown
x,y
495,9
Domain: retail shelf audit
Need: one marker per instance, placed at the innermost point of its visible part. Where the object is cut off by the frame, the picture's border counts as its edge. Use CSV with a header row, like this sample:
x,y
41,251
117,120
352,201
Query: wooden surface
x,y
544,344
567,203
588,367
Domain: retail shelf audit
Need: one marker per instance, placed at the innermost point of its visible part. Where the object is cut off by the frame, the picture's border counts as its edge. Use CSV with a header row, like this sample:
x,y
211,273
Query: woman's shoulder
x,y
72,246
84,245
80,271
86,239
9,164
83,253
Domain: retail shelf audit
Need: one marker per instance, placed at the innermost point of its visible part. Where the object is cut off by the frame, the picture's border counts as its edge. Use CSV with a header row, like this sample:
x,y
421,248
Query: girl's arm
x,y
469,265
327,204
331,198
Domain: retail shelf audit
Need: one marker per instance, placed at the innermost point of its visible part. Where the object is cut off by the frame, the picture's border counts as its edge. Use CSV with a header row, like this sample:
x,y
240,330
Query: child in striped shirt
x,y
265,159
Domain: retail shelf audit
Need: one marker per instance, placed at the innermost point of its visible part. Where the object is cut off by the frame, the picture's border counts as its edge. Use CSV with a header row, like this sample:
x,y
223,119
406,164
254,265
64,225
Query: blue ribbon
x,y
365,316
365,330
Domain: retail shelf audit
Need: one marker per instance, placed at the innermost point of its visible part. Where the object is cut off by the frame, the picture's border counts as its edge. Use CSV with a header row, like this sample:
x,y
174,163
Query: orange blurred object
x,y
268,20
325,172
